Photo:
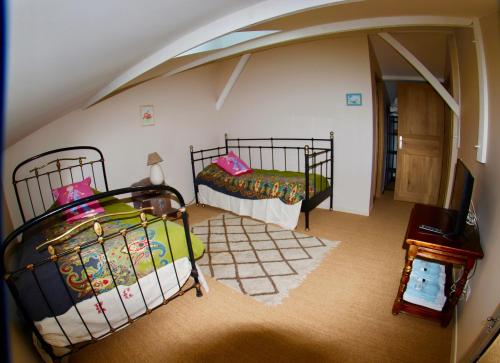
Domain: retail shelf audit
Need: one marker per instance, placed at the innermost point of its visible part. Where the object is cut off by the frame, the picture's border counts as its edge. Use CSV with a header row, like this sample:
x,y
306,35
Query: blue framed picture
x,y
353,99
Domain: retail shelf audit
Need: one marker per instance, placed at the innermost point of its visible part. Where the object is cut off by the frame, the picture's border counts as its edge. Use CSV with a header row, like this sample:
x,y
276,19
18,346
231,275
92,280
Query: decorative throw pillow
x,y
232,164
69,193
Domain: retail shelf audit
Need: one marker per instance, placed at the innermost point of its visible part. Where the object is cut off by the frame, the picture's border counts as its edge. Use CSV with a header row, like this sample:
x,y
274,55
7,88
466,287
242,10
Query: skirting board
x,y
348,210
326,205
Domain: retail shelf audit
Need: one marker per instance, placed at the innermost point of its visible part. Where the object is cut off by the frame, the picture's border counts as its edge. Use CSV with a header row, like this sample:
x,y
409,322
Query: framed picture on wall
x,y
354,99
147,115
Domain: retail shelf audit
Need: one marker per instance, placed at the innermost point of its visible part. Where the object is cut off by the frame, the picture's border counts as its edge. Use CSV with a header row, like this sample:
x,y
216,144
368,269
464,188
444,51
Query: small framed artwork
x,y
147,115
353,99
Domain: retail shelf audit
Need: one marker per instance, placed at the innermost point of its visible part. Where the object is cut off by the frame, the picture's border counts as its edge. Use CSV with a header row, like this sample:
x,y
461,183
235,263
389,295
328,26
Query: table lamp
x,y
156,175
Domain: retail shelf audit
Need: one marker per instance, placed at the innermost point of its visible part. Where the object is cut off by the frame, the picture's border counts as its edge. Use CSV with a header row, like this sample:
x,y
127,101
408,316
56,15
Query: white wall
x,y
293,91
299,91
184,108
485,289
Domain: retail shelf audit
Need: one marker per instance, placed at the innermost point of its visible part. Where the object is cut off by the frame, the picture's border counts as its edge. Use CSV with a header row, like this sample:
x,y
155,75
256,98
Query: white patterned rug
x,y
258,259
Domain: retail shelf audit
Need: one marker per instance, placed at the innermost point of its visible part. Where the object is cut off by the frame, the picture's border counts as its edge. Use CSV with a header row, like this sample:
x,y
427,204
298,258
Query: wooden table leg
x,y
405,277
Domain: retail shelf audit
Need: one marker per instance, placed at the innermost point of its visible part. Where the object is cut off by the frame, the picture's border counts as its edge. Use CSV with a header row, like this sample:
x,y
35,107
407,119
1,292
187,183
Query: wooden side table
x,y
159,200
464,251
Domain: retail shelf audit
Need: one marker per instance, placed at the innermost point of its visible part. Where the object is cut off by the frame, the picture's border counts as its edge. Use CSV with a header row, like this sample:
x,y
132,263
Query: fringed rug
x,y
258,259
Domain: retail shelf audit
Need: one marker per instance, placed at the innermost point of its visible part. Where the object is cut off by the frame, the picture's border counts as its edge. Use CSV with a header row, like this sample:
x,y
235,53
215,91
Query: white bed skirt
x,y
267,210
112,305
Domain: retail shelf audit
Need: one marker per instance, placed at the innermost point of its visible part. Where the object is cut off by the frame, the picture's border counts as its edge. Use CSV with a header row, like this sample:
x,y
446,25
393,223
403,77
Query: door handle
x,y
400,146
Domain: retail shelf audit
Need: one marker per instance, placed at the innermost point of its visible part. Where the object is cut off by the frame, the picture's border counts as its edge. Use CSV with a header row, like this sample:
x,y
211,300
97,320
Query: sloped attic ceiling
x,y
63,54
429,46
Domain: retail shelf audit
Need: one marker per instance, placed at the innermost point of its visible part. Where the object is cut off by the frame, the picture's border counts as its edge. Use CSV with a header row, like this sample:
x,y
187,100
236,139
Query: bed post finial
x,y
191,148
52,253
225,136
306,149
331,134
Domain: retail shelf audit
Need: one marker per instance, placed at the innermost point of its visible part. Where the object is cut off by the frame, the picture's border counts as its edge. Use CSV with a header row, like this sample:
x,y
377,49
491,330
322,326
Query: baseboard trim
x,y
454,341
453,355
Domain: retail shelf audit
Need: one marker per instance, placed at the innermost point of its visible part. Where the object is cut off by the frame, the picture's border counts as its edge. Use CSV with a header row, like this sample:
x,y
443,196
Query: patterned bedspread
x,y
288,186
96,266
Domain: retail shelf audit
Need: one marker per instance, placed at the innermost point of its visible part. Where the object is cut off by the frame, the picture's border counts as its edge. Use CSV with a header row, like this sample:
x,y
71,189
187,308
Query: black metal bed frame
x,y
317,154
52,257
59,171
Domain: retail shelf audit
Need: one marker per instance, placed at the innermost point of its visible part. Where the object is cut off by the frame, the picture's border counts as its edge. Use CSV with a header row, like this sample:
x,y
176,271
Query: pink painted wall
x,y
293,91
184,113
485,289
300,91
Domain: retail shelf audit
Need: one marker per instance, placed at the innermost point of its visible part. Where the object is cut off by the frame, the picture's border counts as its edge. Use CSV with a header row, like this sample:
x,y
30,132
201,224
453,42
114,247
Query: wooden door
x,y
420,143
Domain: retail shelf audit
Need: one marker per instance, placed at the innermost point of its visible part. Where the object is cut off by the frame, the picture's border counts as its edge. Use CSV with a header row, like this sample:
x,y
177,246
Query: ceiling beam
x,y
455,88
251,15
232,80
482,135
429,77
395,77
326,29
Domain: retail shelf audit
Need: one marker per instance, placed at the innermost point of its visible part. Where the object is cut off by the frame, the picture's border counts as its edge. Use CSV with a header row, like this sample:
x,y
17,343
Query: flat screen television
x,y
461,195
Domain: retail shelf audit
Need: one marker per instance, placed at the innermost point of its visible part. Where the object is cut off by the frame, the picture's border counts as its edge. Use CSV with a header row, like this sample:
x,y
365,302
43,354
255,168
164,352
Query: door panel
x,y
422,146
421,128
416,180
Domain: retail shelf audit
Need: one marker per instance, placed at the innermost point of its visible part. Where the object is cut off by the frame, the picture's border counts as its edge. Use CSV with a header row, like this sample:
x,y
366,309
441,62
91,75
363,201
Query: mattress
x,y
272,196
107,310
287,186
268,210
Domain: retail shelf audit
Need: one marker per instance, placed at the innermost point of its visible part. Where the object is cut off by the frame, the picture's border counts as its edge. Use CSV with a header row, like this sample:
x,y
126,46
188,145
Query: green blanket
x,y
123,270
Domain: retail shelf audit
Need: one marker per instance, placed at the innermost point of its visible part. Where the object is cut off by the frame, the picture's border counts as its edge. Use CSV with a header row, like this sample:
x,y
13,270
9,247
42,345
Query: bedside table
x,y
463,251
159,200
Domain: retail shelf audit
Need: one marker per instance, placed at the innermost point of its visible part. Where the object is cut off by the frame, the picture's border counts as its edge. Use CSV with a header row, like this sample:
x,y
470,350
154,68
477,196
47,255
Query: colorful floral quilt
x,y
288,186
95,266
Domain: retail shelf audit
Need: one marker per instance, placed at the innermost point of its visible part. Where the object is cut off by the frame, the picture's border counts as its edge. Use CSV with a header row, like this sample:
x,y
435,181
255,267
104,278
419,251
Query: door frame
x,y
454,142
381,129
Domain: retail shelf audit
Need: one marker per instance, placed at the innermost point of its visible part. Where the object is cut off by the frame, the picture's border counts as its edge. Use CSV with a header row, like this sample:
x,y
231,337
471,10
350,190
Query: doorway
x,y
416,141
391,140
417,125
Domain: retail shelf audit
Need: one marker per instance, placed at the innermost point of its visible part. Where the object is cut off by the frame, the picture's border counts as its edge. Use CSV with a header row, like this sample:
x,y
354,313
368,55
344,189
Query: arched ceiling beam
x,y
232,80
326,29
251,15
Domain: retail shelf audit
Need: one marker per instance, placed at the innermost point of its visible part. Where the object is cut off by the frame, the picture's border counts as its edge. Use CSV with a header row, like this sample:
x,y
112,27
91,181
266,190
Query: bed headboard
x,y
288,154
34,178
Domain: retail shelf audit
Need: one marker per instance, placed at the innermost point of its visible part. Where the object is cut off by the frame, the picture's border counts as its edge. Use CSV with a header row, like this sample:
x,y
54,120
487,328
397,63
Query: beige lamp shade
x,y
154,158
156,175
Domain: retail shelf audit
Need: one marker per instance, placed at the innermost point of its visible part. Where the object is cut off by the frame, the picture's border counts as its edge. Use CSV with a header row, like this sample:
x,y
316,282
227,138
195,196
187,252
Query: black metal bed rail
x,y
62,167
312,139
211,153
101,237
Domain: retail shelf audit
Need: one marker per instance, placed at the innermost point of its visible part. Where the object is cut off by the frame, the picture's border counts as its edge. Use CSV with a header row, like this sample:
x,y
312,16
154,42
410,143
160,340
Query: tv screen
x,y
461,195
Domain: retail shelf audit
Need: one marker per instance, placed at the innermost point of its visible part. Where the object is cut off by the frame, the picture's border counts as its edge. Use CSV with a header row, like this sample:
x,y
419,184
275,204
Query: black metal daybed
x,y
78,282
290,169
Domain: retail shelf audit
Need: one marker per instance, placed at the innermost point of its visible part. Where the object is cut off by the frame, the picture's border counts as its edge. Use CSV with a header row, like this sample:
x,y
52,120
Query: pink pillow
x,y
69,193
232,164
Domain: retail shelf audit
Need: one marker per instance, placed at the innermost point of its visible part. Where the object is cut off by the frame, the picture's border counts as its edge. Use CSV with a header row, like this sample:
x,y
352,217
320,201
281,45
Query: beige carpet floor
x,y
341,313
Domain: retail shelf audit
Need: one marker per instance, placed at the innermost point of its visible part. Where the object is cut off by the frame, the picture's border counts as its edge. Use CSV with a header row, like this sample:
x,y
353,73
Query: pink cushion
x,y
69,193
232,164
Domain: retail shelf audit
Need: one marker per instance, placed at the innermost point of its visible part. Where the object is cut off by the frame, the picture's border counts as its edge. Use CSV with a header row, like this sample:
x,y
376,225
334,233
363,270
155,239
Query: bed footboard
x,y
90,279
